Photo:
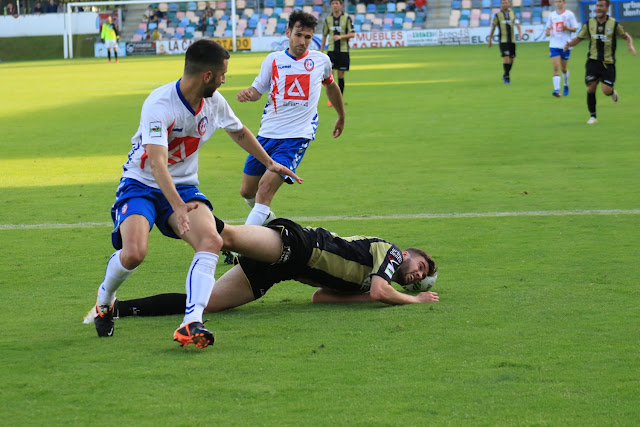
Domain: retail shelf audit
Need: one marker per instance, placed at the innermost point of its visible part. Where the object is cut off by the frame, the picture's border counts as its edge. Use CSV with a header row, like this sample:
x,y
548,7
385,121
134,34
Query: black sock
x,y
109,54
115,53
341,85
507,69
591,103
157,305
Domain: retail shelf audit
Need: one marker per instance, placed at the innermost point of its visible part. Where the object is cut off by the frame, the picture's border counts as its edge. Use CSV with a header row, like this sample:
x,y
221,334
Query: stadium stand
x,y
269,17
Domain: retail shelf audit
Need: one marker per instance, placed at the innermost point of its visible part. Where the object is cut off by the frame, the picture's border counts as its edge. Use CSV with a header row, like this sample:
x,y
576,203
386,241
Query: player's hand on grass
x,y
428,297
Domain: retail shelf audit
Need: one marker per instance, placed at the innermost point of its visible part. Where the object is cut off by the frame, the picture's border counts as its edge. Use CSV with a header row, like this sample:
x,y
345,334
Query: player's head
x,y
560,4
206,60
300,31
109,20
336,5
417,265
505,4
602,7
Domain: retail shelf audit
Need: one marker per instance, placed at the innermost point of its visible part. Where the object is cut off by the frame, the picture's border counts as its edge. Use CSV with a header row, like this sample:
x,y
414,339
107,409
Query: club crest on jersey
x,y
155,129
124,209
296,86
308,64
202,125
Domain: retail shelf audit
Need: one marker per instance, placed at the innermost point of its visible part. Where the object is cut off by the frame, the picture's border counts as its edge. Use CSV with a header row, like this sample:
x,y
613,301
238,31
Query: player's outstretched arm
x,y
571,43
629,41
335,96
324,295
245,139
249,94
384,292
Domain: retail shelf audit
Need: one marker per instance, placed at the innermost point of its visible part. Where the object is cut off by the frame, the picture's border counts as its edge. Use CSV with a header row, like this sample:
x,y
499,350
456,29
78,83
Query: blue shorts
x,y
135,198
564,54
288,152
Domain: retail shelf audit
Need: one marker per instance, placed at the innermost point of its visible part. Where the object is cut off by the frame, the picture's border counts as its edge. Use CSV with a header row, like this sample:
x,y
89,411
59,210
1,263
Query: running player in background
x,y
110,36
560,25
601,58
339,29
293,78
158,185
505,20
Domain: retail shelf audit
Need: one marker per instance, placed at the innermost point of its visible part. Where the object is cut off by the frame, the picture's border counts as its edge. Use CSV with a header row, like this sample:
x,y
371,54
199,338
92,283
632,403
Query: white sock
x,y
114,276
556,82
258,214
200,280
251,202
565,76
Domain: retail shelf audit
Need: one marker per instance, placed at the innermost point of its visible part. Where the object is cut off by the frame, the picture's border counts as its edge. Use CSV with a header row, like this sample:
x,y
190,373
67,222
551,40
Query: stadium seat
x,y
466,4
517,3
456,4
371,8
391,7
526,3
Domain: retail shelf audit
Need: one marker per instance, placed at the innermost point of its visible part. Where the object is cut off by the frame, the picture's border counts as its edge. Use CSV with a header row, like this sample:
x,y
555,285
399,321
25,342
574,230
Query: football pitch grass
x,y
531,214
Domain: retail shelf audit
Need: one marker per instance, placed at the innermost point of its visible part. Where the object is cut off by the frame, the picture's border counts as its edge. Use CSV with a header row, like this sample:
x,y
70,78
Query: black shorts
x,y
296,251
599,71
339,60
508,49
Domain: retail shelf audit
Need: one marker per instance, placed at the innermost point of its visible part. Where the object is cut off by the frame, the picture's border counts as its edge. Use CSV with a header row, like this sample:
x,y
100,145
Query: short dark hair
x,y
433,268
341,1
305,19
204,55
606,1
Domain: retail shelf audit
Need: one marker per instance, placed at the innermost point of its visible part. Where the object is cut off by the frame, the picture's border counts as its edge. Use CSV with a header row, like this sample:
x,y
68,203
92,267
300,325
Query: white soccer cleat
x,y
614,97
592,120
270,218
90,316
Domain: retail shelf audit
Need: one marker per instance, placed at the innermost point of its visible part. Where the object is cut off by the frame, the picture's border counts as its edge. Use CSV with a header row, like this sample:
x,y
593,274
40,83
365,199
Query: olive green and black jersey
x,y
506,22
336,27
344,263
602,39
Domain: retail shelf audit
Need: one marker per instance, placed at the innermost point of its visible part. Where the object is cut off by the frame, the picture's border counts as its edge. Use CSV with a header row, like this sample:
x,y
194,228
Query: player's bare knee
x,y
131,258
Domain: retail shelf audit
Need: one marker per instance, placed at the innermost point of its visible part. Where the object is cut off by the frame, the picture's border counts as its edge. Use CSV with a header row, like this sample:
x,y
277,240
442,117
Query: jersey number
x,y
179,149
296,86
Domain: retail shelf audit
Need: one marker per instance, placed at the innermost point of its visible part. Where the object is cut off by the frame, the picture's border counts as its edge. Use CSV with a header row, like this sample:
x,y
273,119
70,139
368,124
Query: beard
x,y
401,274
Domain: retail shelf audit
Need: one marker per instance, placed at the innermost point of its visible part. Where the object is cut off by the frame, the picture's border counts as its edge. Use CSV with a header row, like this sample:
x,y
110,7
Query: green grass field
x,y
532,216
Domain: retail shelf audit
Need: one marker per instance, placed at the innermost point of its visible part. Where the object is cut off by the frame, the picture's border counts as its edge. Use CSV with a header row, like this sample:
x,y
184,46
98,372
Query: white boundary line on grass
x,y
368,217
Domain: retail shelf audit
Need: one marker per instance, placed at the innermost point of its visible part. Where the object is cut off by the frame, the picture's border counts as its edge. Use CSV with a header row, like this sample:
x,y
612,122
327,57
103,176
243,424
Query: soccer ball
x,y
421,286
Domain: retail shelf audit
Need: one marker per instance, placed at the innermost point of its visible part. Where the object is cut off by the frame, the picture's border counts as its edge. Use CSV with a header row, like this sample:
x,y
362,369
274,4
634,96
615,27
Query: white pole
x,y
233,23
70,31
64,37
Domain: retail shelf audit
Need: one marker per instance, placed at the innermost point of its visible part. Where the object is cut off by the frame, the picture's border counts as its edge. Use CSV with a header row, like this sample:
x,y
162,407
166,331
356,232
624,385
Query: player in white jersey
x,y
158,185
560,25
294,79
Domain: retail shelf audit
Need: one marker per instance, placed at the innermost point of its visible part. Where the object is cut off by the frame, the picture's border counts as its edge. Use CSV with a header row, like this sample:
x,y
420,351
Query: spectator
x,y
155,36
10,10
421,6
37,9
61,7
545,4
52,7
148,14
159,15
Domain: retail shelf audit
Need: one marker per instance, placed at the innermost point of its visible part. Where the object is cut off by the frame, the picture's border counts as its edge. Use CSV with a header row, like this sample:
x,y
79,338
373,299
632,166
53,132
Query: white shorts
x,y
110,44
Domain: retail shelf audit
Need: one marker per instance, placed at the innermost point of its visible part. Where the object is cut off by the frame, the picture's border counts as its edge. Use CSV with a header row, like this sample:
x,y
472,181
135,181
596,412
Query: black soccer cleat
x,y
194,332
104,320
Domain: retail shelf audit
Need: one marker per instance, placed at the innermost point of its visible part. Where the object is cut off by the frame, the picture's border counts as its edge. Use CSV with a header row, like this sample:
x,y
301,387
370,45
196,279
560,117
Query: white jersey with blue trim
x,y
294,86
167,119
558,22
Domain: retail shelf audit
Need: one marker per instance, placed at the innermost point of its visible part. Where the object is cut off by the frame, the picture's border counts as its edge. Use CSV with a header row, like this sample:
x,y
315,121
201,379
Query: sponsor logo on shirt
x,y
125,208
202,125
155,129
176,130
280,67
297,86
